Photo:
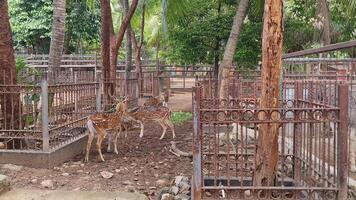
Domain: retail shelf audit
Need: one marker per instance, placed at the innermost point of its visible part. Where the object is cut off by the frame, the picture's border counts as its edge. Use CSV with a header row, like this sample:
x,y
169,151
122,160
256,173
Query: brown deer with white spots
x,y
156,113
99,123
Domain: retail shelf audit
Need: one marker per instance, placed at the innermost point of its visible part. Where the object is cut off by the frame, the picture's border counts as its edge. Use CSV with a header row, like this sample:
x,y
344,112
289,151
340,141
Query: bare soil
x,y
180,101
140,161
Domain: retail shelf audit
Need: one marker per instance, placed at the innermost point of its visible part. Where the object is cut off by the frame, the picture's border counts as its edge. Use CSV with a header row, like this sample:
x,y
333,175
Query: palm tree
x,y
57,38
226,63
8,103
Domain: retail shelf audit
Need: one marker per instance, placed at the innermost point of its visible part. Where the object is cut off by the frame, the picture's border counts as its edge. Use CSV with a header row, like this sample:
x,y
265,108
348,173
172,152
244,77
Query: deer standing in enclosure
x,y
99,123
156,113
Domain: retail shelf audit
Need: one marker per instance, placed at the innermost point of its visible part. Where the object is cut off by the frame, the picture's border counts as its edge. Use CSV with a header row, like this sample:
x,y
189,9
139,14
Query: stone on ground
x,y
4,183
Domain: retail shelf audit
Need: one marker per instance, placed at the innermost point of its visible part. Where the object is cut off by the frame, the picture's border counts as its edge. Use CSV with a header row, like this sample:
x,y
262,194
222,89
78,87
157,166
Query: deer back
x,y
106,121
151,113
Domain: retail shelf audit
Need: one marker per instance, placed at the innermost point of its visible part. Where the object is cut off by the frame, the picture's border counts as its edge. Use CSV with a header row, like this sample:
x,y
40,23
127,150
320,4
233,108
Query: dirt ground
x,y
180,101
138,166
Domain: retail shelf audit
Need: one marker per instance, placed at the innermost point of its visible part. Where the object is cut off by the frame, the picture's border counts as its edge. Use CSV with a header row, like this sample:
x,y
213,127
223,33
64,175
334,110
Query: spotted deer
x,y
99,123
158,100
157,113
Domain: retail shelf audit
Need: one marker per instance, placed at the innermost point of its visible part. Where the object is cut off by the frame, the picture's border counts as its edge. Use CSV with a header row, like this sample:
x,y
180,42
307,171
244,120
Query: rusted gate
x,y
313,142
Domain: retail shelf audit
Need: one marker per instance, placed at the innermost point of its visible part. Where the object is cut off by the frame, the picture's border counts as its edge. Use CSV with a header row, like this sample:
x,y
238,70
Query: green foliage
x,y
179,118
31,22
205,34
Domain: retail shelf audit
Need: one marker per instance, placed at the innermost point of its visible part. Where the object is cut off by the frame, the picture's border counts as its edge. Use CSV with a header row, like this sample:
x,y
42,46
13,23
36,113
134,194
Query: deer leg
x,y
101,136
142,127
171,126
109,143
90,140
118,132
164,127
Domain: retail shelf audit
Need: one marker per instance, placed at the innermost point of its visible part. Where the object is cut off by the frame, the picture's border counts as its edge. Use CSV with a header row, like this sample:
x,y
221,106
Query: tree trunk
x,y
105,42
115,43
226,63
217,48
128,64
68,38
57,39
138,47
323,18
10,104
267,142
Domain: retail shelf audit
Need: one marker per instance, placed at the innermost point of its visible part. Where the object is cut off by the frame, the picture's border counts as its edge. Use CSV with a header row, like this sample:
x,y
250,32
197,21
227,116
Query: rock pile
x,y
179,189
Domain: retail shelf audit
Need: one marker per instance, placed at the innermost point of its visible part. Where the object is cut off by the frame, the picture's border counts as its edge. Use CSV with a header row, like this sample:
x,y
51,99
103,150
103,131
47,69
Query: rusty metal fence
x,y
43,115
313,141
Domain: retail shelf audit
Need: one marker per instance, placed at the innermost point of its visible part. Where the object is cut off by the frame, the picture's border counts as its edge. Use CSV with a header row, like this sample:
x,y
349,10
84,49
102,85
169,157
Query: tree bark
x,y
226,63
128,64
10,104
57,39
267,142
137,48
105,41
68,38
217,48
323,17
115,43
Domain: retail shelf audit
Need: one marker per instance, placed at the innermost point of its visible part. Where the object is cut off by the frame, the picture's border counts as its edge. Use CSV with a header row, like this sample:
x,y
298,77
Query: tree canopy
x,y
196,31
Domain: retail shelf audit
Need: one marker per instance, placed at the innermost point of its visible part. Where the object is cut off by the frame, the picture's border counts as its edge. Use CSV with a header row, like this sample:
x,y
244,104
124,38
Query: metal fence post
x,y
197,176
298,95
45,130
342,142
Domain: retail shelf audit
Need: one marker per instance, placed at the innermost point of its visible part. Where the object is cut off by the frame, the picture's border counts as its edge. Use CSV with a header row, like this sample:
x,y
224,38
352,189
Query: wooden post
x,y
45,130
197,175
342,142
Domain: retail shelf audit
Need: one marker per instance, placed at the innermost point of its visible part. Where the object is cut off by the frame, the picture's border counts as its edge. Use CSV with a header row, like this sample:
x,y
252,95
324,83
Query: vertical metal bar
x,y
297,135
45,131
197,174
342,142
98,95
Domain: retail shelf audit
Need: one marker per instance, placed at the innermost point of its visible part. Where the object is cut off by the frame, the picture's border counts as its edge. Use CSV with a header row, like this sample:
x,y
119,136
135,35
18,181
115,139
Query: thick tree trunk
x,y
267,142
57,38
128,64
9,104
105,41
226,63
